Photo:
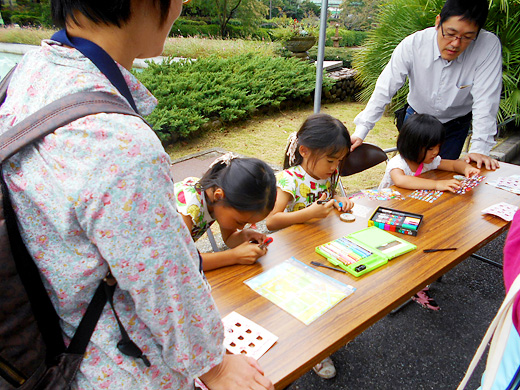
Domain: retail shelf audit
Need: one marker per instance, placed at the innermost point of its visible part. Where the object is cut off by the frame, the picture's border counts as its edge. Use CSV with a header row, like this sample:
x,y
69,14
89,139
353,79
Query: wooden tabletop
x,y
451,221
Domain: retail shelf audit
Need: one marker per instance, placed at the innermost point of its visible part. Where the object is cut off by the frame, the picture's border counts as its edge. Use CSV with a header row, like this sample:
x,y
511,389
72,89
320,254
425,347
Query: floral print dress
x,y
97,195
304,189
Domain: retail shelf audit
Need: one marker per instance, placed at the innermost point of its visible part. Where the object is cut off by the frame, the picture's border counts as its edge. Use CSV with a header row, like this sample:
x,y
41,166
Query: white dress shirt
x,y
445,89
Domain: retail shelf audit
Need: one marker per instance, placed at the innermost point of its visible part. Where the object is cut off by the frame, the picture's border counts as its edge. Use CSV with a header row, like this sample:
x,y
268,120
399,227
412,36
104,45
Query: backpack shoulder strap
x,y
57,114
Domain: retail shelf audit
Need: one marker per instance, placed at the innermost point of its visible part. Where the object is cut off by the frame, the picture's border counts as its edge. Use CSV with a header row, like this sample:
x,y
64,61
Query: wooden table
x,y
451,221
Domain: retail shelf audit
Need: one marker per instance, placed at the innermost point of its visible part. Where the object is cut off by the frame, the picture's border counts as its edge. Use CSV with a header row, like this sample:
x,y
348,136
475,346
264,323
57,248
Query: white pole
x,y
321,55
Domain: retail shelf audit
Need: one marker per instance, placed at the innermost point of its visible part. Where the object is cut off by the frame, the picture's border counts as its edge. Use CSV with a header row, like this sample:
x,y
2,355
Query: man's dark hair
x,y
471,10
111,12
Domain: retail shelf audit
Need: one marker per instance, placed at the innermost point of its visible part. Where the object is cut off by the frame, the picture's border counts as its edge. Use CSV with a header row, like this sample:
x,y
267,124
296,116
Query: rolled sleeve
x,y
388,83
486,91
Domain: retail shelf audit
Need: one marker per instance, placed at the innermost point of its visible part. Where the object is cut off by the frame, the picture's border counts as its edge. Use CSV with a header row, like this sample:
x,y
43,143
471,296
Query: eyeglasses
x,y
452,37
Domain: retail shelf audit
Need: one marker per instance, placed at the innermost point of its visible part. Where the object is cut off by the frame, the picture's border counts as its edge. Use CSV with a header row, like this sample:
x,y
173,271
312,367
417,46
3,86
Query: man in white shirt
x,y
455,74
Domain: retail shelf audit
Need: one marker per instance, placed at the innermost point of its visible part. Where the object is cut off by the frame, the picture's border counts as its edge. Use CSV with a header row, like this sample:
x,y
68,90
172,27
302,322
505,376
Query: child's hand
x,y
253,236
319,209
471,171
343,204
247,253
451,185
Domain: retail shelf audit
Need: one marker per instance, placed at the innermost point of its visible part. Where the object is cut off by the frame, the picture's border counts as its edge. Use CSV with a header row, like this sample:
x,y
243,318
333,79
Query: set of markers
x,y
396,221
345,250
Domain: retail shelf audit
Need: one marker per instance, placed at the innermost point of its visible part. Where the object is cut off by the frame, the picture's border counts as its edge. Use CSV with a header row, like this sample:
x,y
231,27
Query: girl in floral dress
x,y
306,187
234,192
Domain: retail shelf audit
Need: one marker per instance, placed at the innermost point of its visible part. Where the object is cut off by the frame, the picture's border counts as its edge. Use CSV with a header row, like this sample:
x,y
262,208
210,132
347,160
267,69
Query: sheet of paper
x,y
243,336
300,290
503,210
361,211
508,183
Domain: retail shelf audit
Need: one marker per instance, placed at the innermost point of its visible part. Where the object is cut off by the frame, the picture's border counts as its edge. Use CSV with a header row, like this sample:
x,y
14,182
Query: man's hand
x,y
355,141
489,163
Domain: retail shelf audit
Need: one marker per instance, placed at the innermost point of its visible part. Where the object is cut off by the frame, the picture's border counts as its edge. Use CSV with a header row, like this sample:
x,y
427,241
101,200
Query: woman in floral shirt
x,y
96,195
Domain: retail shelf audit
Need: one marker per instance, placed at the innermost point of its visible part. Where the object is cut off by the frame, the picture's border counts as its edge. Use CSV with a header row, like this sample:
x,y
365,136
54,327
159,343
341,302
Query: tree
x,y
400,18
293,9
359,14
249,12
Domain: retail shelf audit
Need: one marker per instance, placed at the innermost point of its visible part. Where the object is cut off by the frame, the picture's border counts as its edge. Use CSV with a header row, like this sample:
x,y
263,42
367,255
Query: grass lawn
x,y
265,137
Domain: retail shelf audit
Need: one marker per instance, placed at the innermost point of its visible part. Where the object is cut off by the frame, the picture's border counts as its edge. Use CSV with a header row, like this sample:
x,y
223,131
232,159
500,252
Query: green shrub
x,y
348,38
26,13
192,93
195,30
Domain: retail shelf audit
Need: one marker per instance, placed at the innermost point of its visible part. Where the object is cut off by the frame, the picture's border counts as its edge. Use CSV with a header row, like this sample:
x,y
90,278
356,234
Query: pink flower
x,y
89,272
143,207
98,214
106,198
166,224
134,151
197,349
101,135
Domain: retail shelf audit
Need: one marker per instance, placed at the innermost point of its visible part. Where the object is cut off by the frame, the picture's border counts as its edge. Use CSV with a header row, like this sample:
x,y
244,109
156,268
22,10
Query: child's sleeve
x,y
187,200
285,182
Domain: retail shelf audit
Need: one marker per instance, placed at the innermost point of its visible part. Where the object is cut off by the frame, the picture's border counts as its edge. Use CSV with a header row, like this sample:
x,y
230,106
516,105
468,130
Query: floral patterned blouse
x,y
97,195
192,203
304,189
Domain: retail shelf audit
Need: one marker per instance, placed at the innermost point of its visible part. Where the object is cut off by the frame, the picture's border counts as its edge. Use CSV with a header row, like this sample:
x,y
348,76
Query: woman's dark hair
x,y
472,10
116,12
419,133
249,184
324,135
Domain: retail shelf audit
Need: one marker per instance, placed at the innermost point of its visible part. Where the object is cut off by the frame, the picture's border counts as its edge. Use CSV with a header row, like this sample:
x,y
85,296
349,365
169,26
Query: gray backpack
x,y
32,351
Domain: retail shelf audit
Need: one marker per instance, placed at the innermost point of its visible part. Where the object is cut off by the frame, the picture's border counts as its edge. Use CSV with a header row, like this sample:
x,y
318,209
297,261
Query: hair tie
x,y
292,144
224,159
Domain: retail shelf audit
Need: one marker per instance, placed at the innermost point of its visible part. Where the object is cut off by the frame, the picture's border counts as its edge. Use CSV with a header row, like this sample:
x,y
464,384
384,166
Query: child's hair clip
x,y
292,144
225,159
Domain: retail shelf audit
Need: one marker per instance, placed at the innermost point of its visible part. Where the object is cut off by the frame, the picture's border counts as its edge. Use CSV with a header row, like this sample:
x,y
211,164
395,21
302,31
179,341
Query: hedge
x,y
193,93
187,27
